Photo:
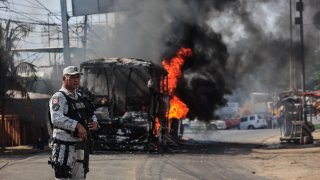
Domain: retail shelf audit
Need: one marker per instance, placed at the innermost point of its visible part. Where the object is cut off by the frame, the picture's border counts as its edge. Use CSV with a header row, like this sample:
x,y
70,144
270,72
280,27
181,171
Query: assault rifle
x,y
87,99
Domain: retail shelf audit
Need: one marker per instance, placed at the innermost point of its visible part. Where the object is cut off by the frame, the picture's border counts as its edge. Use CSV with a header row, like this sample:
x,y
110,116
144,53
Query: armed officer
x,y
72,118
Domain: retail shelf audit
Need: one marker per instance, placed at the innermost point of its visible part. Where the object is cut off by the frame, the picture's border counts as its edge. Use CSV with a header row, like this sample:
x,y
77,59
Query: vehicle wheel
x,y
161,141
250,127
181,130
174,131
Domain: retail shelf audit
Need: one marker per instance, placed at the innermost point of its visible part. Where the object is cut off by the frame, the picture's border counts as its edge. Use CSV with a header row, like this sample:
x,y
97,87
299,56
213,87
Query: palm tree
x,y
13,76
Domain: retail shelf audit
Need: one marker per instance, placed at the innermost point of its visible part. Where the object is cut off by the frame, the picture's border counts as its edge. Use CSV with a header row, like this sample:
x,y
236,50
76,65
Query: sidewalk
x,y
15,153
273,144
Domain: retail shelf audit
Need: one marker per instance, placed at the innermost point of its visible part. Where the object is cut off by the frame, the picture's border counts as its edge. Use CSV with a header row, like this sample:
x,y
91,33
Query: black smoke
x,y
255,58
239,46
203,85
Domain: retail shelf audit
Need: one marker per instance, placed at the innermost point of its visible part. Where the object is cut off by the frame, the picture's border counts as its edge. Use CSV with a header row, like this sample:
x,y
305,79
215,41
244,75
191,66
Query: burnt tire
x,y
175,126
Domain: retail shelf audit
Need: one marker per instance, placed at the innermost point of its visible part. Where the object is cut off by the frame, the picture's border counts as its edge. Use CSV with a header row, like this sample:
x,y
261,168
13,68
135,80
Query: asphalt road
x,y
202,157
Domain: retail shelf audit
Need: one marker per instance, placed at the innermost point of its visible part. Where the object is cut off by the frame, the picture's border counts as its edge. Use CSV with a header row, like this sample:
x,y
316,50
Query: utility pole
x,y
49,38
299,20
85,36
300,9
291,66
65,33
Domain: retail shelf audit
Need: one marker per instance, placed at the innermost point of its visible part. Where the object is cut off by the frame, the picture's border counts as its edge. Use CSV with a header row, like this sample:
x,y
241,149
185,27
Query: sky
x,y
33,12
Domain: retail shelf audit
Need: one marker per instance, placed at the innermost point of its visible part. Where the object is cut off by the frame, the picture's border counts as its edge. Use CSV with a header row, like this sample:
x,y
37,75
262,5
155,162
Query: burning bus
x,y
132,103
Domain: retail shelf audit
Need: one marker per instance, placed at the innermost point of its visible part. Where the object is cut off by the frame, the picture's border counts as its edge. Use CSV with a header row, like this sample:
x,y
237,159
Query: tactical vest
x,y
77,110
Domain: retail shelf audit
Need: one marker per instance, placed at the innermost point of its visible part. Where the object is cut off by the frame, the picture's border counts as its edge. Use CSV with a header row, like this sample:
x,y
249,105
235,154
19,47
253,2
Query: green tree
x,y
14,76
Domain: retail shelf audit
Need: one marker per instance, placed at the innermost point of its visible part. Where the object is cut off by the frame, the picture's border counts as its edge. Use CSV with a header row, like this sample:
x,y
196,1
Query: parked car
x,y
197,124
233,123
216,124
254,121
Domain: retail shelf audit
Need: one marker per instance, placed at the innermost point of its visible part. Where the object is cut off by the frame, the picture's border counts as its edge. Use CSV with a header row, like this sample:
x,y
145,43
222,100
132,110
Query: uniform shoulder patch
x,y
55,103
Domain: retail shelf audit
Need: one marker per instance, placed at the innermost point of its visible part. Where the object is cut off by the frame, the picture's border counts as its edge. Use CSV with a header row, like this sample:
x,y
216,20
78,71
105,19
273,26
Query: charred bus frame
x,y
132,102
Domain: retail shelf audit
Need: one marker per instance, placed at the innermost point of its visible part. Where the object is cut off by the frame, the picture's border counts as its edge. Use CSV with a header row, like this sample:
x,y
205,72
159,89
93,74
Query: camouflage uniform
x,y
67,158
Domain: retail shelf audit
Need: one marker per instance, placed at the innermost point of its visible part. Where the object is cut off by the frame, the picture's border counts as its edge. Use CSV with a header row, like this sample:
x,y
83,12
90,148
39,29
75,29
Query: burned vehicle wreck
x,y
131,101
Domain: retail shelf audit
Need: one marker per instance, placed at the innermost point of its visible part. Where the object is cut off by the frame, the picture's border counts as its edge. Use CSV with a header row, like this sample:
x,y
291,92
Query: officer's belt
x,y
66,130
77,144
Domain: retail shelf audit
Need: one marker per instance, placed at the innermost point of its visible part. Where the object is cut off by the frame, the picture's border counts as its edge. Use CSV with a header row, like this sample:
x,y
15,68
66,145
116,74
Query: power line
x,y
52,13
36,23
15,11
33,54
48,10
24,5
34,4
29,17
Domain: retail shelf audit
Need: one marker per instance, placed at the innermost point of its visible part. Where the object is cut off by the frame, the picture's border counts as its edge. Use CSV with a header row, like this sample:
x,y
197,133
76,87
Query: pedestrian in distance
x,y
71,118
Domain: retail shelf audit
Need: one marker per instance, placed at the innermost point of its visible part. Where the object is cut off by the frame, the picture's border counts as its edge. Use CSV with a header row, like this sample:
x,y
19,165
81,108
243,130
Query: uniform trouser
x,y
68,161
77,172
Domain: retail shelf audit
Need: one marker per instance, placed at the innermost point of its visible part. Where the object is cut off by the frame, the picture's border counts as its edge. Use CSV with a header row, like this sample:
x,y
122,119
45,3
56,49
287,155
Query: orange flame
x,y
177,108
174,66
156,126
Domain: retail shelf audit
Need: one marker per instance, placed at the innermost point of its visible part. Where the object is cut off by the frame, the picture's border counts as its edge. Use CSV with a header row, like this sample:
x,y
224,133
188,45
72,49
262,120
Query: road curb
x,y
289,149
2,165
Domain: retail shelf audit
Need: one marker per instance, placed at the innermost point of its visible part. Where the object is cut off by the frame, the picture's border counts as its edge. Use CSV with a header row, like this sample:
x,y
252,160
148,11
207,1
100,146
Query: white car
x,y
197,124
216,124
254,121
201,125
